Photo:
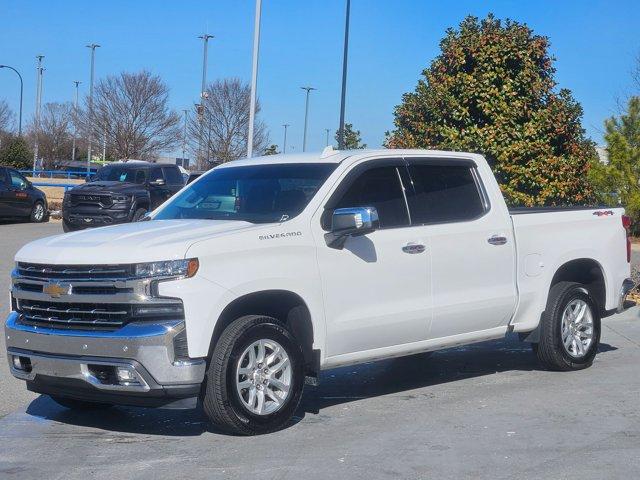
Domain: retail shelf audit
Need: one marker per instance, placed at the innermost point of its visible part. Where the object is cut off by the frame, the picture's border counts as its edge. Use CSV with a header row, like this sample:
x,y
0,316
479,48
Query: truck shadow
x,y
337,386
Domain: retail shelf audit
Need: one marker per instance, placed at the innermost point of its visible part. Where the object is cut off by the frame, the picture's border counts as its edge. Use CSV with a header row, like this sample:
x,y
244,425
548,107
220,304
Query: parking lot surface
x,y
480,411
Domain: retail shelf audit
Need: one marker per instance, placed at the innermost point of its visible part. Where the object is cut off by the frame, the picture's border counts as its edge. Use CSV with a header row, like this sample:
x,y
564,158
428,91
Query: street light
x,y
21,89
306,116
75,122
39,70
93,47
344,77
327,130
254,77
203,95
284,143
184,135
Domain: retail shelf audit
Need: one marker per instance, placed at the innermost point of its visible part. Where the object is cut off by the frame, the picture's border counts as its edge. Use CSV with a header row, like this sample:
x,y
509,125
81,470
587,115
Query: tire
x,y
67,228
139,214
73,404
226,403
38,213
565,299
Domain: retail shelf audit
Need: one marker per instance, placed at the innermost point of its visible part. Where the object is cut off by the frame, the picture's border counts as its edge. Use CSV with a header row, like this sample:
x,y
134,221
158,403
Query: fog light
x,y
16,363
126,374
21,363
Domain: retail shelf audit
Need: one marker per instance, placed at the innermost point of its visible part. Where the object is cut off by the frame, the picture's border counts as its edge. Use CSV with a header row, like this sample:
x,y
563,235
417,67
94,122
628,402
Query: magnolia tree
x,y
491,90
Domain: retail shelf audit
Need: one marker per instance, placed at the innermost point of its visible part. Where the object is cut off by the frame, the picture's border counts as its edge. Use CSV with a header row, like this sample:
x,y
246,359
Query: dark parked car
x,y
119,193
20,199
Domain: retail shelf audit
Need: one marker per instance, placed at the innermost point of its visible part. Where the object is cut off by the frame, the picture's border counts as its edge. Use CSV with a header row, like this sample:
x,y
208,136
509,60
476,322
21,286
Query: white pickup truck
x,y
264,272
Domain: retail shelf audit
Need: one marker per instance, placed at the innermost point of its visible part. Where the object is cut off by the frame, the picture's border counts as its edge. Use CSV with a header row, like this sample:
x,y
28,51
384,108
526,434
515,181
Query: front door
x,y
376,289
19,198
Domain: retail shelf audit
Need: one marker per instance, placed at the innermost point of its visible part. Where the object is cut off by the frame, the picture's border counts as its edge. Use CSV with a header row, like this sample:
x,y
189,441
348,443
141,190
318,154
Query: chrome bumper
x,y
626,287
78,357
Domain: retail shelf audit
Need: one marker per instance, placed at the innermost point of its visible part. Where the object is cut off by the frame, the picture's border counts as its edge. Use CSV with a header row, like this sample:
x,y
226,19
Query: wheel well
x,y
283,305
588,272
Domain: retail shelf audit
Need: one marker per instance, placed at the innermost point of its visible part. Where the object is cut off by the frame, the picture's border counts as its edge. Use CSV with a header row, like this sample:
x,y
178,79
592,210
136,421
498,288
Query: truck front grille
x,y
75,272
74,315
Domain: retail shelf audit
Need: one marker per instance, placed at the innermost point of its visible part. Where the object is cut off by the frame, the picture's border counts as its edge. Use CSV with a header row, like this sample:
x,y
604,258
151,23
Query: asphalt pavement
x,y
480,411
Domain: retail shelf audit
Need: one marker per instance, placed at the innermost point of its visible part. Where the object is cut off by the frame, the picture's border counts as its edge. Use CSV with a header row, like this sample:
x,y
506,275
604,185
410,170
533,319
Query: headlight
x,y
168,268
121,198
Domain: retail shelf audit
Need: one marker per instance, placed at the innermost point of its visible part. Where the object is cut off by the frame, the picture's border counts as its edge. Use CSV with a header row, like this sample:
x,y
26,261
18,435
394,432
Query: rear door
x,y
472,247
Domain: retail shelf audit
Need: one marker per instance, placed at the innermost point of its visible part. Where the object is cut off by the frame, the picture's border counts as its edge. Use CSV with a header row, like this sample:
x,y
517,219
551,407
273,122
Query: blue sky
x,y
595,43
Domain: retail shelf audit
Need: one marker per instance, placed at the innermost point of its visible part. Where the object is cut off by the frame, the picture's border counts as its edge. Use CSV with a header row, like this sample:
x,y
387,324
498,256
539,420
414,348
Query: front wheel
x,y
137,216
570,328
255,377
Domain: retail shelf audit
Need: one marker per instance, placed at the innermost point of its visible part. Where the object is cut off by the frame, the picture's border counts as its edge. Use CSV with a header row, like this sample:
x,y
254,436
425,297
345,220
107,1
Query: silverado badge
x,y
56,290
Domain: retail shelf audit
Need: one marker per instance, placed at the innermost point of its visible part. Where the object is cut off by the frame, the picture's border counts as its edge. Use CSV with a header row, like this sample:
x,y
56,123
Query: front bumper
x,y
84,364
96,217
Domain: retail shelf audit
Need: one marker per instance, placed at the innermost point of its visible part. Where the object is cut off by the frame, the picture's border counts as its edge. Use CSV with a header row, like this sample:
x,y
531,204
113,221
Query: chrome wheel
x,y
263,377
38,212
577,328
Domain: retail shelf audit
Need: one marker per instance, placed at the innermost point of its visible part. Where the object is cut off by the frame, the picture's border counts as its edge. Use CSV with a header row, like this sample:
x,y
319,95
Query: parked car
x,y
318,262
193,175
20,199
119,193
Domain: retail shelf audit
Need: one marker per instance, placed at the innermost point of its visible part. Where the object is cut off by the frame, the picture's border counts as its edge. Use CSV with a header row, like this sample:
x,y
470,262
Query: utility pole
x,y
284,143
104,145
21,91
344,77
203,96
184,135
75,122
93,47
306,116
254,77
327,130
39,70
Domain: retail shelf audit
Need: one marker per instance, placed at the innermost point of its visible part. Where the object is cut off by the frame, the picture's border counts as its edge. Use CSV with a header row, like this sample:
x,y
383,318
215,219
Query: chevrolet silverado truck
x,y
263,272
119,193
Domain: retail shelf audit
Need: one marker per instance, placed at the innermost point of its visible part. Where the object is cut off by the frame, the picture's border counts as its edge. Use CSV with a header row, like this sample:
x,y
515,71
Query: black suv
x,y
19,198
119,193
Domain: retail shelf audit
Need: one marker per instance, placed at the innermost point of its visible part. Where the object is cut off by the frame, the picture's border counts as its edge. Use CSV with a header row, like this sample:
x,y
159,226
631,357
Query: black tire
x,y
220,399
138,214
67,228
73,404
38,212
550,350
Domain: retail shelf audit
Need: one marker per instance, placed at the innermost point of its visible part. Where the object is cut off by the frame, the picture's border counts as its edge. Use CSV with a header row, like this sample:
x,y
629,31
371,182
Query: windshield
x,y
258,194
118,173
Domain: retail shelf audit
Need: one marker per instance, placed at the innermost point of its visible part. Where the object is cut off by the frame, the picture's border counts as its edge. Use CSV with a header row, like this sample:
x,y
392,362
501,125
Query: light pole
x,y
39,70
21,89
327,130
254,77
184,135
306,116
344,77
203,95
93,47
284,142
75,122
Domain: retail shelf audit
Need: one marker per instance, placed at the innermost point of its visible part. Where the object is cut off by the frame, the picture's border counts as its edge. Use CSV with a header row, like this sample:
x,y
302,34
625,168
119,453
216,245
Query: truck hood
x,y
107,187
129,243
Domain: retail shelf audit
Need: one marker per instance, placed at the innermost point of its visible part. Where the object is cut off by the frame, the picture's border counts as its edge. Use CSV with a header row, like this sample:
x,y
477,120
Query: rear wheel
x,y
255,377
38,212
570,328
74,404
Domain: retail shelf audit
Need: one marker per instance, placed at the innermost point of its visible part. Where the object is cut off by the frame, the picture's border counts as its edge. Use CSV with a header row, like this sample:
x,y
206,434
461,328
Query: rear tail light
x,y
626,223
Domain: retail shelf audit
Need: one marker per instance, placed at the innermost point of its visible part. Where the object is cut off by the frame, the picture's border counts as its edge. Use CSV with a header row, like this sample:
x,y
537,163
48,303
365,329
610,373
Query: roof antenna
x,y
328,151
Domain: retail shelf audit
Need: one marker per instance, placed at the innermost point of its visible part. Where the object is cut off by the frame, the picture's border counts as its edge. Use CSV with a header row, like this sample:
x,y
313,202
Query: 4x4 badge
x,y
56,290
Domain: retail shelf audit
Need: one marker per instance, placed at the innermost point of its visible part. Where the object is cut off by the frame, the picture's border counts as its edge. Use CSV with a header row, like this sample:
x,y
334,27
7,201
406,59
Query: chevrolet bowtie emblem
x,y
56,290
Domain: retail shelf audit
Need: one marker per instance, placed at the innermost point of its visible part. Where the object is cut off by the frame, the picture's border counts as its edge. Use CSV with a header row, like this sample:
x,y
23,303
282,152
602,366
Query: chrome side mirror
x,y
346,222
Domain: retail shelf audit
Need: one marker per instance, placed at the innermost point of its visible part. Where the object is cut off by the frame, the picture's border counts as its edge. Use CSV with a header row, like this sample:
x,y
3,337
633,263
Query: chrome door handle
x,y
497,240
414,248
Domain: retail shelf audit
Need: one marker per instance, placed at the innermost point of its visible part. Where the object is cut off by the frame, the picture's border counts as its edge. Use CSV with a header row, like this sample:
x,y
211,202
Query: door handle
x,y
497,240
414,248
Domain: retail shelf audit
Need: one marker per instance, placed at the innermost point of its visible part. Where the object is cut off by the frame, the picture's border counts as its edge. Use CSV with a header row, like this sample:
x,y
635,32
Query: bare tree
x,y
222,135
131,112
55,133
6,117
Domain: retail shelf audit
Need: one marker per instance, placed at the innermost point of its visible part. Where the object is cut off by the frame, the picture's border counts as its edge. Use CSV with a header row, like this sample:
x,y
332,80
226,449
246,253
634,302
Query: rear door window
x,y
444,193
